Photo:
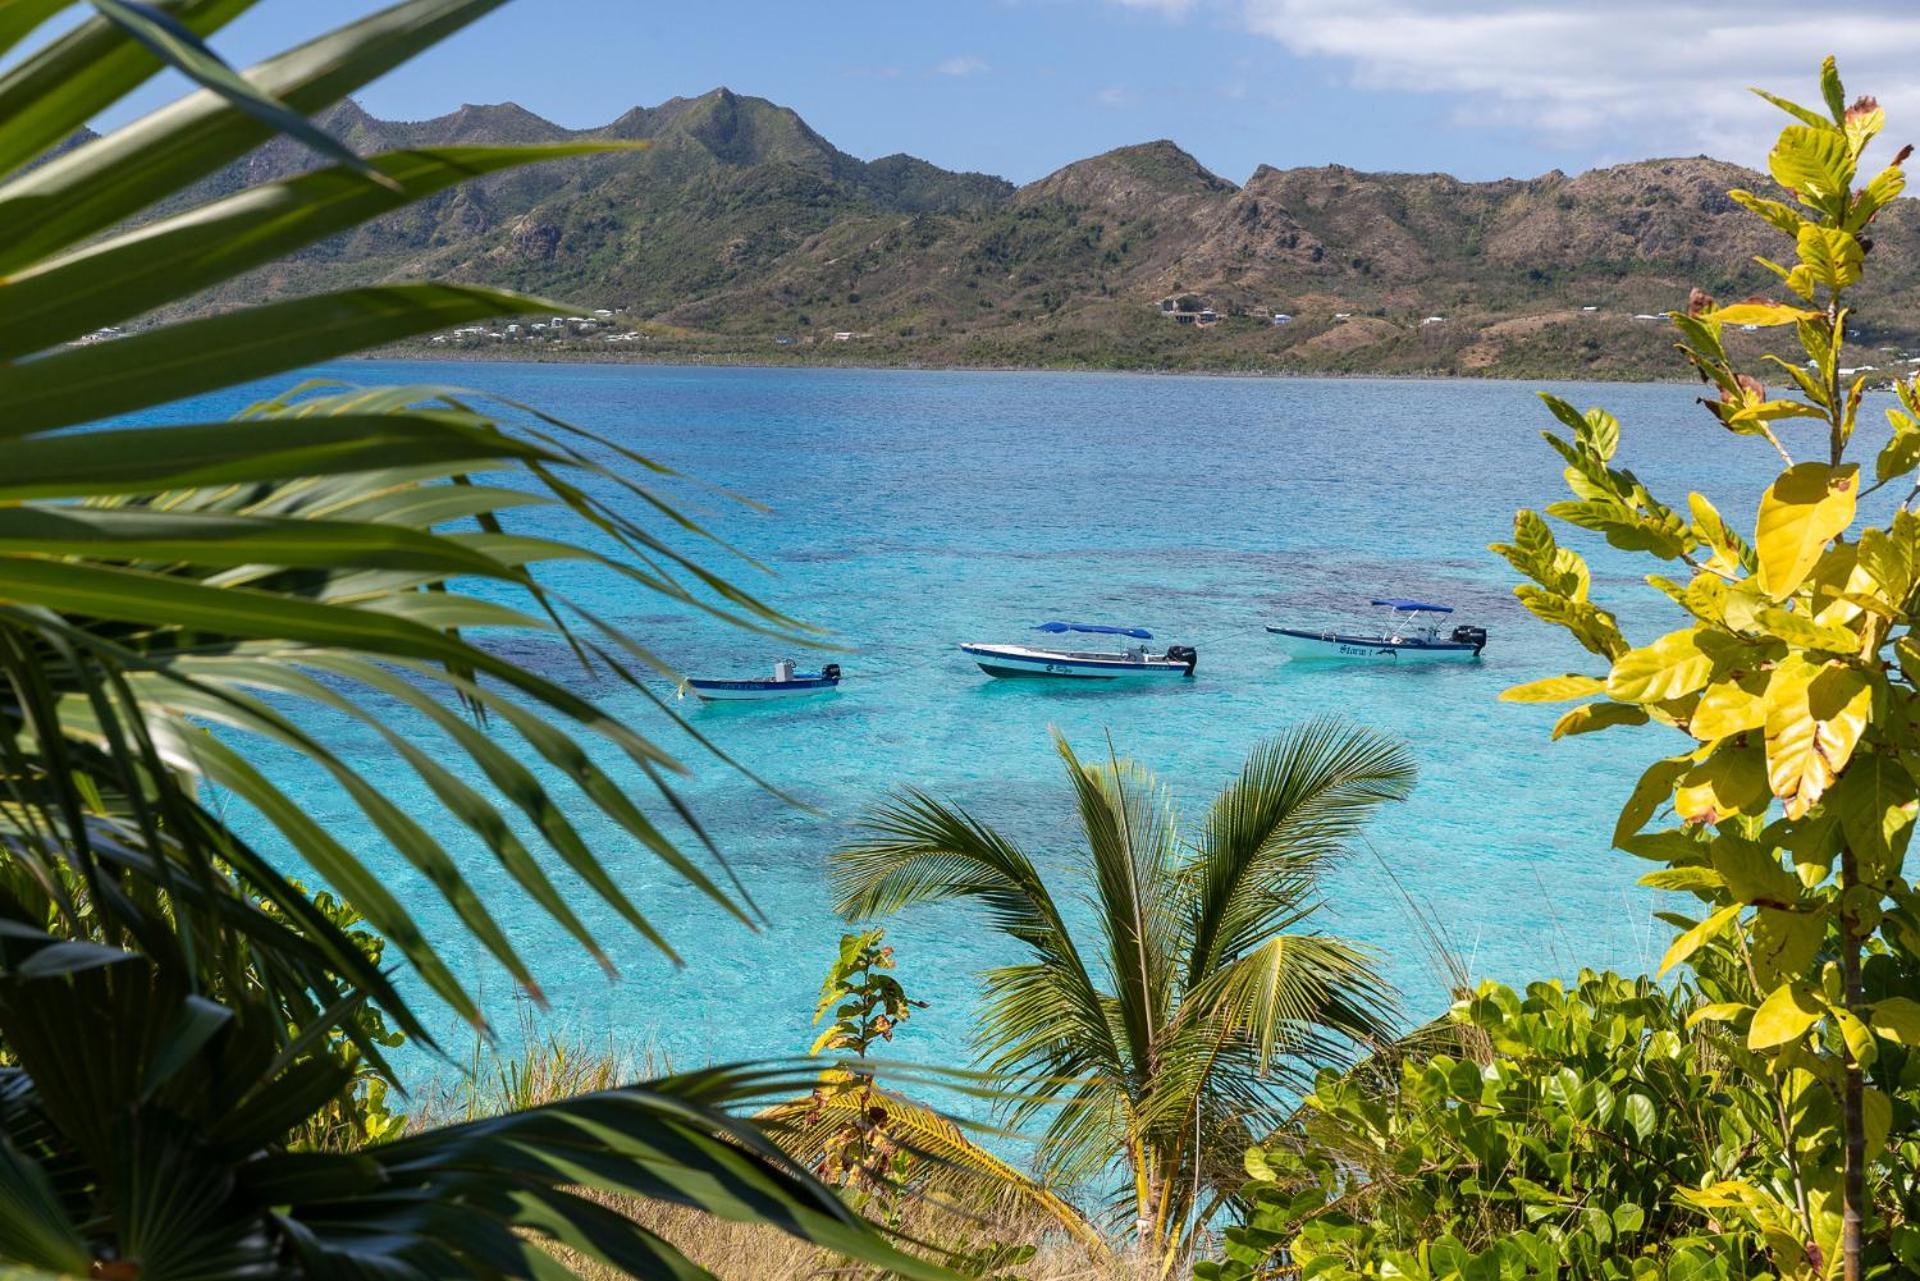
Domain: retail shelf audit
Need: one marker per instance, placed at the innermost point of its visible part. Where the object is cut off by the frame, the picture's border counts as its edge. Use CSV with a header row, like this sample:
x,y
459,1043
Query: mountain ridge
x,y
740,226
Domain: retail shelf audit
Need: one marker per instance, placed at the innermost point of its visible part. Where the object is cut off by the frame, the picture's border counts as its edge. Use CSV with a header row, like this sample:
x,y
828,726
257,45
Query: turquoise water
x,y
914,510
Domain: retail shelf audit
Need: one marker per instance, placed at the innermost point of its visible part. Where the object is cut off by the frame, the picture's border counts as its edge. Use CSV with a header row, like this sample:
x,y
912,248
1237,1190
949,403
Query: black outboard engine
x,y
1183,654
1474,636
831,672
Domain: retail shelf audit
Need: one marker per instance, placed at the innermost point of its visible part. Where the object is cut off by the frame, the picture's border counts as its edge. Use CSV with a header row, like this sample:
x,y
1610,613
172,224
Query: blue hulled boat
x,y
1131,663
785,683
1412,631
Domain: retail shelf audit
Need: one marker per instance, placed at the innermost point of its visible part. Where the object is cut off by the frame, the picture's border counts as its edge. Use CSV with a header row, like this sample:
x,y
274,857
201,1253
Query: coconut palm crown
x,y
1174,1012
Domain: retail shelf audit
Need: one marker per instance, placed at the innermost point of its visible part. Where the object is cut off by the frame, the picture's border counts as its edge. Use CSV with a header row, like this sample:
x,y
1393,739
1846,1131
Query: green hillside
x,y
740,233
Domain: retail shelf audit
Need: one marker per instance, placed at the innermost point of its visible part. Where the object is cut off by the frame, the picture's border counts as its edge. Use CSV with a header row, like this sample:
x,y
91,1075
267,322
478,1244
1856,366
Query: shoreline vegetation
x,y
738,360
194,1073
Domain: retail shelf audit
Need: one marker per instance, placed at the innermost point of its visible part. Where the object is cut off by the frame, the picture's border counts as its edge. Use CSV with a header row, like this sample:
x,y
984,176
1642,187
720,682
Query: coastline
x,y
480,356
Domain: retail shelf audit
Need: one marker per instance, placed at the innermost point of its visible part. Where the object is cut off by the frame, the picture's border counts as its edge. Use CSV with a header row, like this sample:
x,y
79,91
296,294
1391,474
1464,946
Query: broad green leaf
x,y
1815,164
1898,1019
1761,312
1553,689
1782,944
1733,780
1783,218
1654,789
1831,256
1804,508
1859,1041
1784,1017
1802,632
1831,90
1729,707
1752,872
1593,717
1718,1012
82,384
1697,937
1812,119
1730,551
1898,456
1816,713
1875,803
1678,663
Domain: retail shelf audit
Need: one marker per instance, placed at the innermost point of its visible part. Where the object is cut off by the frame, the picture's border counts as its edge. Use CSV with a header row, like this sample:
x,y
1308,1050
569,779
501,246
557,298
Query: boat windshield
x,y
1410,619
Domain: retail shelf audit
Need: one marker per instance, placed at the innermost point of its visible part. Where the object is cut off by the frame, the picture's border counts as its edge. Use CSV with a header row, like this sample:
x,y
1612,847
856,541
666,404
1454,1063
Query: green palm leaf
x,y
176,1011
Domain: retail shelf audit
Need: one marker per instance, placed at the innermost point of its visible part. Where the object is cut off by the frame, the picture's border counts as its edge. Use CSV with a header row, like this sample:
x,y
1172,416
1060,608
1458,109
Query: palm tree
x,y
174,1009
1173,1017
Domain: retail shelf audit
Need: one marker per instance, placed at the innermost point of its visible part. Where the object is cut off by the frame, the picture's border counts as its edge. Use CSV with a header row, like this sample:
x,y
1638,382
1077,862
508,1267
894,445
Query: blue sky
x,y
1480,88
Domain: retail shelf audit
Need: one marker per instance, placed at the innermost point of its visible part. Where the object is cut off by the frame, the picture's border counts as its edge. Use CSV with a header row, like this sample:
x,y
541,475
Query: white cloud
x,y
1172,8
962,65
1635,77
1115,97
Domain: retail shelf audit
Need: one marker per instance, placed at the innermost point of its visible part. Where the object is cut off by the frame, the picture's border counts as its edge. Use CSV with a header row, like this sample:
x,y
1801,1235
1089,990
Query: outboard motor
x,y
831,672
1183,654
1474,636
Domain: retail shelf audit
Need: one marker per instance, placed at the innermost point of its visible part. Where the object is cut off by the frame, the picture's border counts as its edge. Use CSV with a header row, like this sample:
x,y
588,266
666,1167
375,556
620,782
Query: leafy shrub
x,y
1535,1135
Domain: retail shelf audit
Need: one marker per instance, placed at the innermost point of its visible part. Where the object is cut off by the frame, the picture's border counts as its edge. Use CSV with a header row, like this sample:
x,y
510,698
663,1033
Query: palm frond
x,y
1297,803
951,1169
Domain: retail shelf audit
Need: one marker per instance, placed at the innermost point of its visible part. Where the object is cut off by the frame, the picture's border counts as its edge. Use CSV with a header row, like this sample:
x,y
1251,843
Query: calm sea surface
x,y
910,511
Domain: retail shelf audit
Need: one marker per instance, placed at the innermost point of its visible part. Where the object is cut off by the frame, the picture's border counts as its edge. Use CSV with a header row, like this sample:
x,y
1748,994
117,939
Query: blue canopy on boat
x,y
1415,606
1100,629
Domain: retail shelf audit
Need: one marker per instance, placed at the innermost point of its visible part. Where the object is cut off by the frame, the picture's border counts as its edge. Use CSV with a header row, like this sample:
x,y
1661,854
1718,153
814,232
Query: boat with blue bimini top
x,y
785,683
1132,663
1412,631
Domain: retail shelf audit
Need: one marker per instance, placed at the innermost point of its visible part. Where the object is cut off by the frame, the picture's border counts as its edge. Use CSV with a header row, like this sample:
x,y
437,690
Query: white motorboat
x,y
1132,663
785,683
1412,631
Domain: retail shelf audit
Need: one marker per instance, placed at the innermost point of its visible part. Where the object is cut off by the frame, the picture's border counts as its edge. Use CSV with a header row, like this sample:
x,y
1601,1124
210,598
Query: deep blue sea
x,y
909,511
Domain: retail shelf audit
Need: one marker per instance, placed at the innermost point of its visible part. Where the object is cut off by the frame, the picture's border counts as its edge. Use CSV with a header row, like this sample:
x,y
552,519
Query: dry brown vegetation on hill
x,y
740,225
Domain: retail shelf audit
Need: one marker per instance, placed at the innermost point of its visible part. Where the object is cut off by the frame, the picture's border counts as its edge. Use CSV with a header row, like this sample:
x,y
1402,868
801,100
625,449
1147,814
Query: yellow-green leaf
x,y
1816,713
1802,632
1696,938
1761,312
1898,1019
1730,707
1814,164
1718,1012
1753,873
1593,717
1784,1017
1655,786
1875,803
1731,781
1553,689
1678,663
1782,944
1831,256
1805,507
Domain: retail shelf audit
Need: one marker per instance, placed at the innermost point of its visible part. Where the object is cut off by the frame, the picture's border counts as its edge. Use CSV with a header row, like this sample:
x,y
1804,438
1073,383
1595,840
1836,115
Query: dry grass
x,y
749,1252
548,1068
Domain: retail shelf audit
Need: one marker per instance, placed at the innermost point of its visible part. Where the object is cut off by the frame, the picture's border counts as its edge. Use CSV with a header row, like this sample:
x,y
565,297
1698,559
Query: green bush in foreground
x,y
1541,1135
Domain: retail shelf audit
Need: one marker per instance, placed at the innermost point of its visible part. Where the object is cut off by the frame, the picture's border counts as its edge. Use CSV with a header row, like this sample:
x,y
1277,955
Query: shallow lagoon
x,y
913,510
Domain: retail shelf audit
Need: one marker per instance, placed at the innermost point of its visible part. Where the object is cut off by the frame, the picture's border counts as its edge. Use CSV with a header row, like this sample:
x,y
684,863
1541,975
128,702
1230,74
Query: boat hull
x,y
759,691
1018,661
1299,643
